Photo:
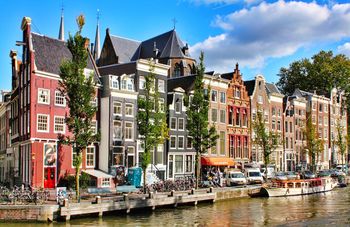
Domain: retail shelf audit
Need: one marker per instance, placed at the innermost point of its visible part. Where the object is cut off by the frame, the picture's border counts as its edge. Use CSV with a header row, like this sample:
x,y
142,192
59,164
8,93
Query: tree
x,y
79,91
268,141
314,144
204,136
151,120
341,142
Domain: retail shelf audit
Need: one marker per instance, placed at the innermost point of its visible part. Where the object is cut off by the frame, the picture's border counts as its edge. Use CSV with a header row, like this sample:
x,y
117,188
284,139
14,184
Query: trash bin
x,y
134,176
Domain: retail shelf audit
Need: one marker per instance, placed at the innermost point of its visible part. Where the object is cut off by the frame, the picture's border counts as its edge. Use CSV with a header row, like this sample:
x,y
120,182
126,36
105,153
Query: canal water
x,y
328,209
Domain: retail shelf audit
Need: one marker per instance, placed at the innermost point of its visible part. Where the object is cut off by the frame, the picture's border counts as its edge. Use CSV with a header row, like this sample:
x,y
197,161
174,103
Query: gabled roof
x,y
125,49
227,76
249,85
271,88
185,82
49,54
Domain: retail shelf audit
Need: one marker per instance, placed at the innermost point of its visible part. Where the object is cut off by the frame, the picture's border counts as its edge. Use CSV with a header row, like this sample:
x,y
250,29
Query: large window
x,y
178,105
117,108
129,109
214,115
189,142
222,97
172,141
181,124
173,123
90,157
43,96
179,163
223,116
117,130
189,164
129,130
59,99
42,123
214,95
161,86
222,143
130,157
59,126
117,156
160,153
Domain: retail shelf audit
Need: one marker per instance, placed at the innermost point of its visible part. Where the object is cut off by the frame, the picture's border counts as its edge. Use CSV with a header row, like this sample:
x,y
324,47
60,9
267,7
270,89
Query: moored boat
x,y
280,188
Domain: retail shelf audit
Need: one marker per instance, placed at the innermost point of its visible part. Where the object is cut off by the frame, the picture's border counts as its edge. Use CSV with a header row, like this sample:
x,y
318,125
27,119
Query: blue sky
x,y
262,36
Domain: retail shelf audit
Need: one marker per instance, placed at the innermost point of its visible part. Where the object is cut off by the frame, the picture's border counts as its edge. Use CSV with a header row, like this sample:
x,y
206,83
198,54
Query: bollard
x,y
151,195
211,189
172,193
192,191
98,200
127,204
66,203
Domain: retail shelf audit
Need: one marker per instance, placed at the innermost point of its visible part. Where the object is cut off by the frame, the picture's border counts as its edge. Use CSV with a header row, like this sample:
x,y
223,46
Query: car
x,y
343,168
270,172
291,175
336,173
279,176
308,174
235,178
324,173
254,176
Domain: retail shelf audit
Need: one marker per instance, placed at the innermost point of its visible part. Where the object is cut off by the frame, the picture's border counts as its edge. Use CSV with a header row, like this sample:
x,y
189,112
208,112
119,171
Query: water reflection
x,y
330,209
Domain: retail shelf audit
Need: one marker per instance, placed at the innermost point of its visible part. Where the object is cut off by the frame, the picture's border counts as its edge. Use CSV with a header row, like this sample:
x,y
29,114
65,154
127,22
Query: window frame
x,y
48,96
56,96
47,122
54,124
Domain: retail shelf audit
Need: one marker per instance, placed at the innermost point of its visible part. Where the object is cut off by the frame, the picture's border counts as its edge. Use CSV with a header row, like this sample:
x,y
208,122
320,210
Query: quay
x,y
123,204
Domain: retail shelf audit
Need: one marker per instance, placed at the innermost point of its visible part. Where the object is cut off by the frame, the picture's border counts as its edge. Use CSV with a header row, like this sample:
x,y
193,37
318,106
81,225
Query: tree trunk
x,y
144,180
77,187
197,169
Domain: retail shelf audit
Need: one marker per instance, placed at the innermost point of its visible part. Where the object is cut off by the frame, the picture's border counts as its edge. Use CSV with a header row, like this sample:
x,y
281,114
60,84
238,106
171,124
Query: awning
x,y
97,173
214,161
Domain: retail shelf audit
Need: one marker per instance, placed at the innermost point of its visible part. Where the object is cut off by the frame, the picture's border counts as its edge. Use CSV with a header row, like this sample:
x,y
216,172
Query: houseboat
x,y
279,188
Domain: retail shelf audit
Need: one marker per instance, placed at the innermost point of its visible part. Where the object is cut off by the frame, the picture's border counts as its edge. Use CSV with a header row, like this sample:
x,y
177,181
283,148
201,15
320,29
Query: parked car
x,y
336,173
254,176
235,178
270,172
324,173
279,176
291,175
308,174
343,168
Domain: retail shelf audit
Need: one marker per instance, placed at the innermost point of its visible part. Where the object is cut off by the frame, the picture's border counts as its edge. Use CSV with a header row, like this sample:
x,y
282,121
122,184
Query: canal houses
x,y
238,118
6,154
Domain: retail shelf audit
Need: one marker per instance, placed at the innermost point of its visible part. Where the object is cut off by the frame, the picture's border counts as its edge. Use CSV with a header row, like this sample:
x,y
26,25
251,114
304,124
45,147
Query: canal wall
x,y
232,193
41,213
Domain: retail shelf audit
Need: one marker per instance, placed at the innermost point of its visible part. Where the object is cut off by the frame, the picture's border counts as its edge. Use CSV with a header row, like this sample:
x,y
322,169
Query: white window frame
x,y
94,124
132,130
159,86
161,105
121,130
142,82
104,183
183,124
172,118
190,143
178,142
121,108
221,92
132,109
54,124
58,96
216,96
47,122
174,143
114,79
94,156
48,96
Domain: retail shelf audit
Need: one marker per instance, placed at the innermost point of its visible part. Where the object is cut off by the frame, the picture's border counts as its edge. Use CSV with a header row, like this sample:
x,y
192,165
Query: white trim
x,y
175,142
48,96
175,123
54,124
132,109
183,124
132,130
47,122
121,108
183,143
64,99
94,158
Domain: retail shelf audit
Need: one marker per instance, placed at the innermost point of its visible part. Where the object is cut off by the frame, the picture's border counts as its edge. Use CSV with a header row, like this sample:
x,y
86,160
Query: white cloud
x,y
250,36
344,49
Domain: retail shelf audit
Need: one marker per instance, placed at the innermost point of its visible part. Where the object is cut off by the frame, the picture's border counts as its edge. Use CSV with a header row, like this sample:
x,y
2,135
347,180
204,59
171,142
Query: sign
x,y
50,154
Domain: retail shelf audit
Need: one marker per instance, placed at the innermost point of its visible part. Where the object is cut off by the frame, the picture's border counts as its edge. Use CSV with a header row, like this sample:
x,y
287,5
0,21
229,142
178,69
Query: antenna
x,y
62,7
174,22
98,14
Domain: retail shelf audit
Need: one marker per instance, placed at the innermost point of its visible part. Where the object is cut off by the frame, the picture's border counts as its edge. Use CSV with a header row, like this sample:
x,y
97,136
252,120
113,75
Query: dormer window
x,y
115,82
127,84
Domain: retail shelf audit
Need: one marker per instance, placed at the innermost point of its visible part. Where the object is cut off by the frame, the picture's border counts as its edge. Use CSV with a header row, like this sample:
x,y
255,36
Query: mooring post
x,y
66,204
151,195
193,191
99,202
127,204
172,193
211,189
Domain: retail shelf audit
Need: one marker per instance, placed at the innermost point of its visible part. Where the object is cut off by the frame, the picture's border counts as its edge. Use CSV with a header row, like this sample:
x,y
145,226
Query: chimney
x,y
26,22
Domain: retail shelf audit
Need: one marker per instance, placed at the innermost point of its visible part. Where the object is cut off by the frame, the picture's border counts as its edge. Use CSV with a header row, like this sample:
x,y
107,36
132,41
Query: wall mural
x,y
50,154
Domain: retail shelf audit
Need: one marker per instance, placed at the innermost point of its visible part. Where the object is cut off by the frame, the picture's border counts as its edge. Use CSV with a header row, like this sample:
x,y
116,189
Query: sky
x,y
262,36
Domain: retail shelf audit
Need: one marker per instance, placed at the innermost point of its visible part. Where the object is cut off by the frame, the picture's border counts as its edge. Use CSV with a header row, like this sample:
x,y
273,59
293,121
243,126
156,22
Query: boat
x,y
280,188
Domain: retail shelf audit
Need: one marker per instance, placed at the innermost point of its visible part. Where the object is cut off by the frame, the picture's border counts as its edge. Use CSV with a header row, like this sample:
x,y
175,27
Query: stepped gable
x,y
126,49
50,52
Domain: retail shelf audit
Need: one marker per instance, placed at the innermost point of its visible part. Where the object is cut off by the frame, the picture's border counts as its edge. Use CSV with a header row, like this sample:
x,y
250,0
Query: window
x,y
106,182
129,109
320,118
273,111
222,143
278,125
59,126
42,123
245,118
117,156
222,97
214,95
59,99
273,126
181,142
161,86
178,105
286,142
189,164
230,116
214,115
161,105
90,157
314,106
130,156
223,116
291,143
142,83
171,166
279,112
117,130
43,96
238,117
173,123
159,157
94,126
290,127
237,93
117,108
325,133
286,126
320,107
172,141
260,99
129,130
189,142
181,124
115,82
325,120
178,164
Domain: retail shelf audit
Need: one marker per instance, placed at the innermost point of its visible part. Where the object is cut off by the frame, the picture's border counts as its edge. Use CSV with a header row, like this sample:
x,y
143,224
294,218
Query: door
x,y
49,177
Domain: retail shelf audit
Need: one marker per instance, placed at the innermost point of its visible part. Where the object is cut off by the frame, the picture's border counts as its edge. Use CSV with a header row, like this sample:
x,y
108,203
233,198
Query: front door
x,y
49,177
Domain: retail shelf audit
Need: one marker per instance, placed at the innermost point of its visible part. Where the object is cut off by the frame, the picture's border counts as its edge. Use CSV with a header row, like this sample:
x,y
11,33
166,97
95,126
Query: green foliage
x,y
151,119
79,91
204,137
69,181
314,144
268,141
341,141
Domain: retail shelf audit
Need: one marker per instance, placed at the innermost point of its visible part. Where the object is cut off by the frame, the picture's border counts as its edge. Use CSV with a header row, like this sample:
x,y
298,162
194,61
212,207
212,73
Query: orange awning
x,y
214,161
